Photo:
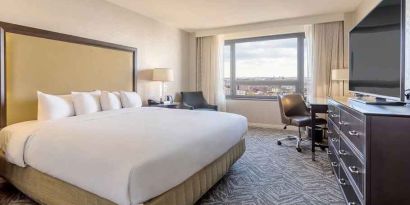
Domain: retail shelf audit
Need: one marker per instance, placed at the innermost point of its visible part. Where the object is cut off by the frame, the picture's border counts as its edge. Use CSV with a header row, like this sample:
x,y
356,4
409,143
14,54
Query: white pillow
x,y
110,100
86,102
130,99
51,107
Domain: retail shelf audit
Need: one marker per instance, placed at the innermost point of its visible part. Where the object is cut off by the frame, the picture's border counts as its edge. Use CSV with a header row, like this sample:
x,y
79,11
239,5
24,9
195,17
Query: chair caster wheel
x,y
298,149
279,142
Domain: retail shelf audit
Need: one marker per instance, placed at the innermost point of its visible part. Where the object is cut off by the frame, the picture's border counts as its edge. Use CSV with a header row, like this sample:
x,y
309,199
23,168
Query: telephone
x,y
152,102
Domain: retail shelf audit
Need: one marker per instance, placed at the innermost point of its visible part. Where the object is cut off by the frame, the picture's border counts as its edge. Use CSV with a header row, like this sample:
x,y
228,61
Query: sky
x,y
271,58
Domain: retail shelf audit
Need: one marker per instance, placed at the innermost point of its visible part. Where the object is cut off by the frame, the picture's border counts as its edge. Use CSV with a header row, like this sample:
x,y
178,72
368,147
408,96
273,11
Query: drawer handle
x,y
353,133
334,164
342,182
352,203
353,169
342,152
329,152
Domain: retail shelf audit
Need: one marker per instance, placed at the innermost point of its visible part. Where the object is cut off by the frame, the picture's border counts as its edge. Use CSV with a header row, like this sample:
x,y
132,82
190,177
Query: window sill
x,y
251,98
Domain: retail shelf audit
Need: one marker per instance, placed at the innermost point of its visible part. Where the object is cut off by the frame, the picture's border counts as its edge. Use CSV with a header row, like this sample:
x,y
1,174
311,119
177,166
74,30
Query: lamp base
x,y
161,97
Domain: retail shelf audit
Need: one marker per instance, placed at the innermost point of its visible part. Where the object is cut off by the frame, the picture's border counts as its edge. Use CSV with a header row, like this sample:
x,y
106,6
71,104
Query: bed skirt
x,y
48,190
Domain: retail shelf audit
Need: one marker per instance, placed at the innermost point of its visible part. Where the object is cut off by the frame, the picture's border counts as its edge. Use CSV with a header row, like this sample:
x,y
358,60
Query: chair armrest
x,y
186,106
213,107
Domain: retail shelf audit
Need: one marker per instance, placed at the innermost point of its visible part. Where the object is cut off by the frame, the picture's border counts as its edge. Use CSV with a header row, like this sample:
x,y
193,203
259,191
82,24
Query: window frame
x,y
299,83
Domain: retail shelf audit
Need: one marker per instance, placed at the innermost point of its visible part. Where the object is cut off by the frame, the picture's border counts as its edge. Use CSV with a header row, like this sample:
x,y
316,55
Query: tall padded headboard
x,y
58,64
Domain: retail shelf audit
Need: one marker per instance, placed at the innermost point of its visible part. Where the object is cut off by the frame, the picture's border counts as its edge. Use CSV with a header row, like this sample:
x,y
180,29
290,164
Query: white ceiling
x,y
204,14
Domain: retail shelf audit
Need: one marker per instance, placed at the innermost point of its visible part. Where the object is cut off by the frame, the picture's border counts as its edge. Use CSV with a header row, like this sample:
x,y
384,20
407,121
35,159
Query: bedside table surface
x,y
165,106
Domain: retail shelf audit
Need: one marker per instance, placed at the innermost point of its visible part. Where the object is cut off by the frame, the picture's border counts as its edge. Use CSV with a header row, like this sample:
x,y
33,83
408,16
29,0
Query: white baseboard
x,y
272,126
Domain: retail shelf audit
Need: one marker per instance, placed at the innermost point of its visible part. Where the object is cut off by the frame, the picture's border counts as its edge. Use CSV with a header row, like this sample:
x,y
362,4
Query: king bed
x,y
129,156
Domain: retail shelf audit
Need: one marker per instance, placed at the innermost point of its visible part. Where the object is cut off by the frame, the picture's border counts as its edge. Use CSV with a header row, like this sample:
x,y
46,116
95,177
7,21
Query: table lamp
x,y
341,75
163,75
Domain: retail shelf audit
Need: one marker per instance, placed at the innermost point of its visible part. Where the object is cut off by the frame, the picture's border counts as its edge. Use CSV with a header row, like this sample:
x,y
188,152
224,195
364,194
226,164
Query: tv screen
x,y
375,52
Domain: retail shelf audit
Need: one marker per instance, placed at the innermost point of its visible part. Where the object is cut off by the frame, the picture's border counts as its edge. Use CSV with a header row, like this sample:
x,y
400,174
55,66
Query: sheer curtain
x,y
325,52
209,69
308,59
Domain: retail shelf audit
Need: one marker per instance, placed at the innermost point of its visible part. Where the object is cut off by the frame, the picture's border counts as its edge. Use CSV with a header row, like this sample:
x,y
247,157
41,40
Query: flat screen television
x,y
375,52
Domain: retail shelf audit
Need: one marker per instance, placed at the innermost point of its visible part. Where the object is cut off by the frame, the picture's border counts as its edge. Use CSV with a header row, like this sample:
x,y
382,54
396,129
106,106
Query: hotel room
x,y
180,102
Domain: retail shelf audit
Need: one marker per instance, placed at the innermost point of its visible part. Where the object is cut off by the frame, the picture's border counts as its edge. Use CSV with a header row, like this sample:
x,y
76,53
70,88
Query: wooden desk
x,y
317,105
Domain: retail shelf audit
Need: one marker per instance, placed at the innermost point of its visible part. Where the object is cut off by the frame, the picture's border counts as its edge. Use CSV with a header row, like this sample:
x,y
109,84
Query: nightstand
x,y
172,106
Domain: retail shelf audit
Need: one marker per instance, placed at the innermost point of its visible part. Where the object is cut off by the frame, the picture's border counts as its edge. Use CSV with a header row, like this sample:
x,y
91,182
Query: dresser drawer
x,y
347,188
333,113
354,166
332,134
334,160
353,129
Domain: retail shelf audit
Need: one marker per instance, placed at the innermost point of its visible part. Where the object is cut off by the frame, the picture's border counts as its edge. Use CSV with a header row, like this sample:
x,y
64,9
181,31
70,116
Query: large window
x,y
264,67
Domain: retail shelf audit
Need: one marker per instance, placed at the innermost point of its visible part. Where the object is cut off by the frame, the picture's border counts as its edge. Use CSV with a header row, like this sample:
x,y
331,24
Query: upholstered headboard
x,y
33,59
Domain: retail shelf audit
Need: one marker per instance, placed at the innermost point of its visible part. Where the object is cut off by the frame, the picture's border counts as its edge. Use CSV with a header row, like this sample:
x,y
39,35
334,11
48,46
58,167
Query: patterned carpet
x,y
272,174
11,196
265,174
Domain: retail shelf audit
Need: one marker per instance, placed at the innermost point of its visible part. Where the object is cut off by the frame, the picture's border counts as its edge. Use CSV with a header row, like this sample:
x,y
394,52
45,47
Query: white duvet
x,y
127,156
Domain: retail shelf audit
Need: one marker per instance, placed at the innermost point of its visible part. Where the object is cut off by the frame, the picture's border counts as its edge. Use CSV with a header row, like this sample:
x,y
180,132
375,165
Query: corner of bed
x,y
45,189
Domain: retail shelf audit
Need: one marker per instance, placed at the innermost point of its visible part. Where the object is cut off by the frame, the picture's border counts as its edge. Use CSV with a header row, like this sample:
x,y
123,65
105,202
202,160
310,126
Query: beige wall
x,y
271,26
349,23
158,45
258,112
363,9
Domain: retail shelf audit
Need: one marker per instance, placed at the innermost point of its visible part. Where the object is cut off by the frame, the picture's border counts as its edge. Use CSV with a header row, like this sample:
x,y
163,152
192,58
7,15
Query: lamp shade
x,y
340,74
163,74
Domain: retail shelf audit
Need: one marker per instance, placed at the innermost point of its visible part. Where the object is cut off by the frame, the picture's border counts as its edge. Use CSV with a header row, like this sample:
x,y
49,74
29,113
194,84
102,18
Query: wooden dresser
x,y
369,151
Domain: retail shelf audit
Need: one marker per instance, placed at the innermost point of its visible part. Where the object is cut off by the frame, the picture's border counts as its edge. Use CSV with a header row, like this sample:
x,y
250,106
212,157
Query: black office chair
x,y
196,101
294,112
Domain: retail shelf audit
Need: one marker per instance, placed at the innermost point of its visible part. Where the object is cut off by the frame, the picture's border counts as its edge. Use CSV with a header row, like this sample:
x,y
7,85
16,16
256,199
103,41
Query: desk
x,y
317,105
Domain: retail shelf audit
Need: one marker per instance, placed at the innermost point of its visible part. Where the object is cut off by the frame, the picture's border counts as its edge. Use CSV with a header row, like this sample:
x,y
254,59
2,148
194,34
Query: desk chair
x,y
294,112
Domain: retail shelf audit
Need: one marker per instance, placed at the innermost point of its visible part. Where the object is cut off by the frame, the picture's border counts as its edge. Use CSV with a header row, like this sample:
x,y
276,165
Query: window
x,y
264,67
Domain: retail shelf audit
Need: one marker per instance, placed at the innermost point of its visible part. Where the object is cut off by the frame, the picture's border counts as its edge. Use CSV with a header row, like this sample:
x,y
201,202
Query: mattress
x,y
126,156
46,189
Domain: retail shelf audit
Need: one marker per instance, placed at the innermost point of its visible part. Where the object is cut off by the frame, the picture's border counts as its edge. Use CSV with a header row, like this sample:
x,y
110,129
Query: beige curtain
x,y
325,52
209,69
